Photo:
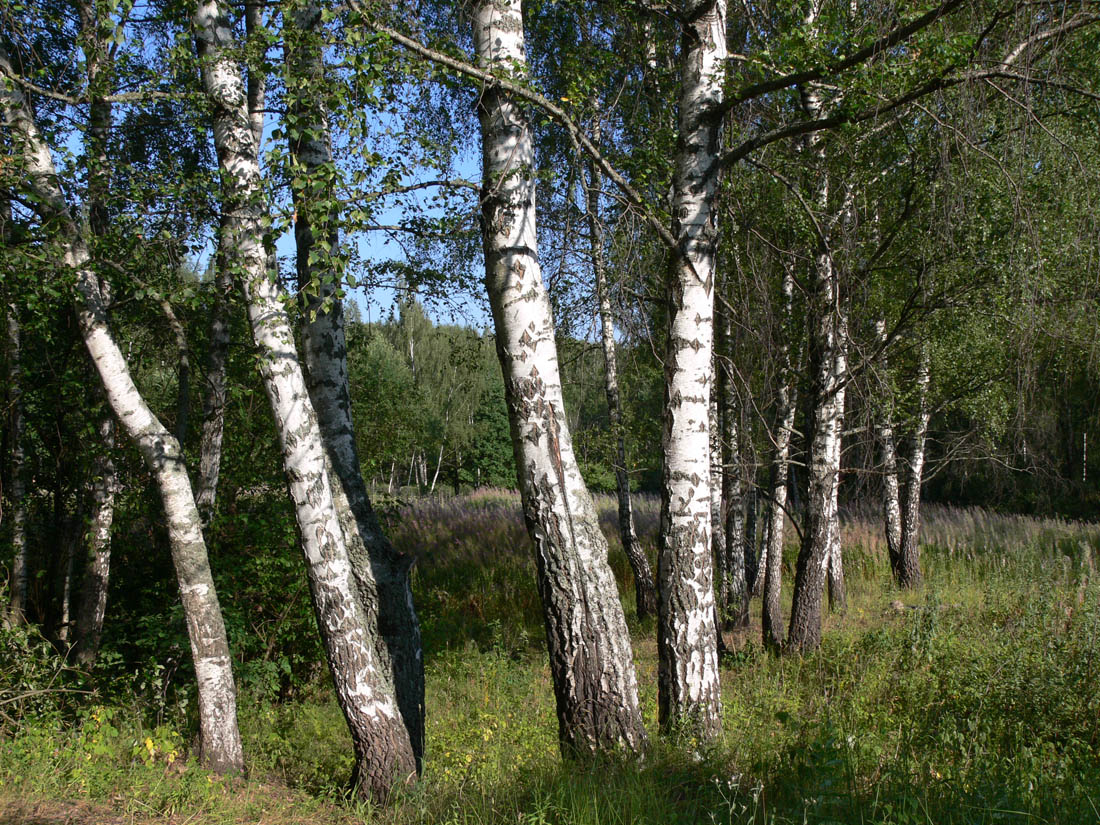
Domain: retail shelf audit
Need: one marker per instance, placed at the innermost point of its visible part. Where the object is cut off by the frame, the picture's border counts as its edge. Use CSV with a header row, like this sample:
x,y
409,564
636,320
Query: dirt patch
x,y
51,812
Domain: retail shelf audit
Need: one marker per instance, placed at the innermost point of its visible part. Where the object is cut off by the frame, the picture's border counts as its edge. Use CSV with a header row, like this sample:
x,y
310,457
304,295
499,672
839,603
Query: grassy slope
x,y
976,700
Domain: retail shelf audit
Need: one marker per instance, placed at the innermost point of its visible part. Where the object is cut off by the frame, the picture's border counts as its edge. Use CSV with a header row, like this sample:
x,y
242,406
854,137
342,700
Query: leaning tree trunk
x,y
908,570
891,508
220,743
591,661
17,607
93,593
688,691
381,571
645,591
383,752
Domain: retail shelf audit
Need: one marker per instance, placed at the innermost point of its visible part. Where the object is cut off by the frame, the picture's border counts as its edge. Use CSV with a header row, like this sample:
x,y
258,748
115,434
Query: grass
x,y
973,701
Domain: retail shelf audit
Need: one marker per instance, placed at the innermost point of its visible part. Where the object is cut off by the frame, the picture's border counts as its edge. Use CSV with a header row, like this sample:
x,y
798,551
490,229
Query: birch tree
x,y
364,689
591,661
645,593
381,572
688,689
220,743
771,611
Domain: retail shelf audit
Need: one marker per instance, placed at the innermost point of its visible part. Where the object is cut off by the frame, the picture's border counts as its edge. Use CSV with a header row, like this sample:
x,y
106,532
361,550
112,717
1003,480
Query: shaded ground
x,y
52,812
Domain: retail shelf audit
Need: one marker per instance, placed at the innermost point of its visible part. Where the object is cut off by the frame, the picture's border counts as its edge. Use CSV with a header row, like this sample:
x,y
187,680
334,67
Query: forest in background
x,y
771,276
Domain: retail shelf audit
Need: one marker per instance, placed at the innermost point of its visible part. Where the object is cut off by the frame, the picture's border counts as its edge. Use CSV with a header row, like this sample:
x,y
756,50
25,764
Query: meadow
x,y
974,700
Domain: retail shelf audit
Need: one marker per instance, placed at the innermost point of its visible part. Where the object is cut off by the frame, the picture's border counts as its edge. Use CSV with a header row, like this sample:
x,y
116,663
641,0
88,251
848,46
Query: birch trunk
x,y
689,697
908,572
645,591
771,610
591,661
838,595
68,561
220,743
95,31
93,592
717,519
383,752
730,540
821,531
213,404
381,572
17,608
891,508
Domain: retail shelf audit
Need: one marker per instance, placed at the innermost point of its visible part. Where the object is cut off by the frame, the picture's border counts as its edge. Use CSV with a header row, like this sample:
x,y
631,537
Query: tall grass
x,y
973,701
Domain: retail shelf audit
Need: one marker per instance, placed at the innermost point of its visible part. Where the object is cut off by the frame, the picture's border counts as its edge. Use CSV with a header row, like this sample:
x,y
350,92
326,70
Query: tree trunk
x,y
820,522
93,593
68,563
908,571
891,508
771,611
17,608
591,661
838,594
717,516
381,572
220,746
688,692
384,755
95,32
730,544
213,404
645,591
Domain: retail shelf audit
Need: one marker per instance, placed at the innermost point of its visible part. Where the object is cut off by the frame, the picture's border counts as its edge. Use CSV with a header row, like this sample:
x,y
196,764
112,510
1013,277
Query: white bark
x,y
891,508
771,611
213,404
384,755
821,532
908,569
590,655
381,572
219,737
93,593
838,596
689,698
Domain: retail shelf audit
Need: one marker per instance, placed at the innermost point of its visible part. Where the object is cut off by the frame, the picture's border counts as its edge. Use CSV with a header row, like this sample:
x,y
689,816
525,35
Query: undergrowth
x,y
973,701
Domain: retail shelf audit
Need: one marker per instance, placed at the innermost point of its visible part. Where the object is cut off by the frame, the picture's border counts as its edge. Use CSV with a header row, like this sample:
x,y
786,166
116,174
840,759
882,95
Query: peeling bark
x,y
591,660
645,591
689,696
381,571
384,755
220,744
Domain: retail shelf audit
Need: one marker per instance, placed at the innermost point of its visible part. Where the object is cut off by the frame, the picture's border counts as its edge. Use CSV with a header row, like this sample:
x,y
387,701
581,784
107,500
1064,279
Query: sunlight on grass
x,y
973,701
